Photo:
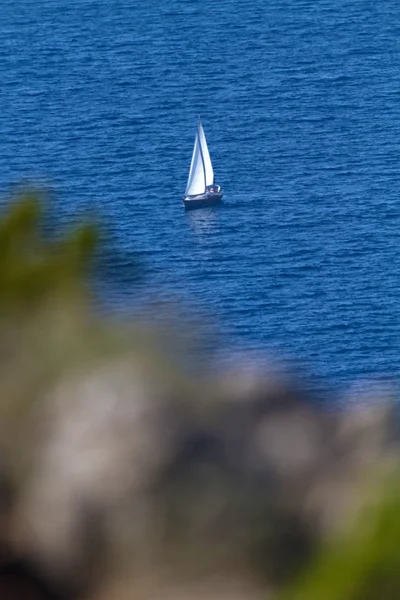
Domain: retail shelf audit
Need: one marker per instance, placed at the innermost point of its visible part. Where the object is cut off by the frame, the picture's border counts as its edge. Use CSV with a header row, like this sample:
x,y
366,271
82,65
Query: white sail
x,y
209,173
196,181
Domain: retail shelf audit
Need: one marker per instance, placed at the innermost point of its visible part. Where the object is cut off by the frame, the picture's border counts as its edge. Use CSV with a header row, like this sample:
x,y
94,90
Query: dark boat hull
x,y
202,200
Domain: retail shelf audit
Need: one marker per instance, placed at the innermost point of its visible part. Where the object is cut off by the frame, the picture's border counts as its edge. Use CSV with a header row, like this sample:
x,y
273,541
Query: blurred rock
x,y
171,486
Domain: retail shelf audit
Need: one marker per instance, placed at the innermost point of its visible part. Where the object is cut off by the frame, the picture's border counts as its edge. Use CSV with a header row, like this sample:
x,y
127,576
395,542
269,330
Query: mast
x,y
201,151
208,168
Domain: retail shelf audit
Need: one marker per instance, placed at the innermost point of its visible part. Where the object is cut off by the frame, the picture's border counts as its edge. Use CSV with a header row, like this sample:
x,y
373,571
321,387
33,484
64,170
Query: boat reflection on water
x,y
205,222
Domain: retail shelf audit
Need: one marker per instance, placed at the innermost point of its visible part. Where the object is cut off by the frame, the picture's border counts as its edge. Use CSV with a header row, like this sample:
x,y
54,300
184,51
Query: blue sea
x,y
300,102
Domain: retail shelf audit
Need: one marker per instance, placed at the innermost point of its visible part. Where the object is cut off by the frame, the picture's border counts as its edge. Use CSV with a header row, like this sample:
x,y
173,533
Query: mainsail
x,y
201,172
209,173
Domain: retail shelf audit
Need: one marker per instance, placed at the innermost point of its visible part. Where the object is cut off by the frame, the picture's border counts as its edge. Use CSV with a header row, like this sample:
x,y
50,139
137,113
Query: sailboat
x,y
201,190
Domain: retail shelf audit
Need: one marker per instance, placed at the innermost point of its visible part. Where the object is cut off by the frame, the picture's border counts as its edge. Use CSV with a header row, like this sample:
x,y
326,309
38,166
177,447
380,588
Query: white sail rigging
x,y
209,173
201,173
195,184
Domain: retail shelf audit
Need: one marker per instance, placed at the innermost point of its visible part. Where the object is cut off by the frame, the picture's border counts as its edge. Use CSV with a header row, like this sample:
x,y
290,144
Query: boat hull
x,y
202,200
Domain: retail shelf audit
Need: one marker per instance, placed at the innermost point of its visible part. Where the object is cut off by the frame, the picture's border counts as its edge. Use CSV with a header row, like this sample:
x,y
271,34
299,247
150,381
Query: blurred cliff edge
x,y
124,477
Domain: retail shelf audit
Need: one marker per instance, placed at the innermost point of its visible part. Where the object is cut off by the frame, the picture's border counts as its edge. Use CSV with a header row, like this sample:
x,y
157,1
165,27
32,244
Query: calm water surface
x,y
300,102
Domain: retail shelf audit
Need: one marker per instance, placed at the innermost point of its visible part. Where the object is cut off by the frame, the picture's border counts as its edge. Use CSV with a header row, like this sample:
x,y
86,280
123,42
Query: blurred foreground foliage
x,y
364,564
116,465
33,268
46,322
